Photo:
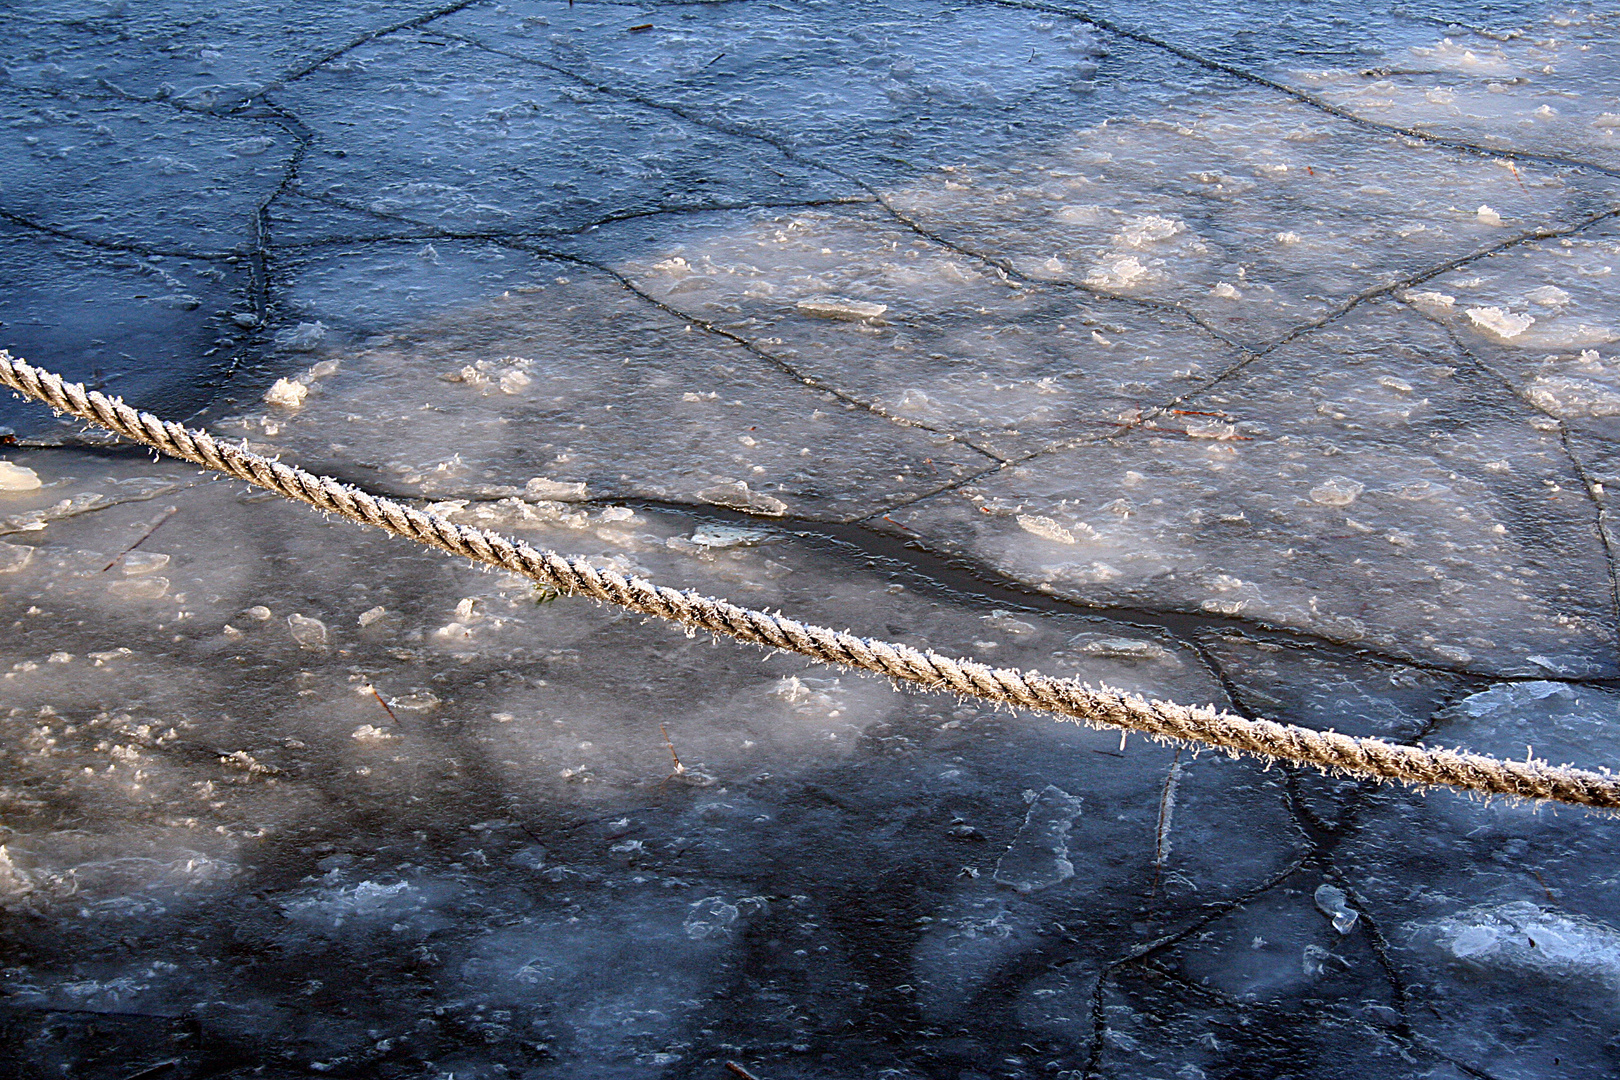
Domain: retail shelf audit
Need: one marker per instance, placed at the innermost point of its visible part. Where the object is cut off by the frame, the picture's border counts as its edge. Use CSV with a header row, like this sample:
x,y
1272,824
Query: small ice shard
x,y
727,536
287,393
259,612
371,733
1149,229
146,588
1429,300
1488,216
1337,491
252,147
13,557
18,477
1080,215
1504,324
914,401
1289,237
305,337
1039,855
837,307
710,917
136,563
1330,900
1047,529
1548,296
1226,291
309,633
1003,620
1118,273
371,615
542,489
736,495
1124,649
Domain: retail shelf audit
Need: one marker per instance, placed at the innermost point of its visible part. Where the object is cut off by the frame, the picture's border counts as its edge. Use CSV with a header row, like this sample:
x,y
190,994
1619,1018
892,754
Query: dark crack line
x,y
546,232
1148,950
309,67
1588,483
1278,1015
780,364
129,246
1389,288
1141,424
261,254
1002,267
1305,97
1376,938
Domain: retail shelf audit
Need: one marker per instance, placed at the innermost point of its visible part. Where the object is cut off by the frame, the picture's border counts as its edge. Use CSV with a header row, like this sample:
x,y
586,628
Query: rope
x,y
1097,706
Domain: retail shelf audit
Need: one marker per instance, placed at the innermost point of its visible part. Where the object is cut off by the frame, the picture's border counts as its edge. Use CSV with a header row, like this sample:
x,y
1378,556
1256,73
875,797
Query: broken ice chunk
x,y
309,633
1149,229
1331,902
1124,649
836,307
13,557
1337,491
305,337
710,917
17,477
287,393
727,536
1429,300
1047,529
1118,273
1488,216
736,495
371,733
1504,324
251,147
371,615
136,563
1548,296
554,490
1039,855
151,588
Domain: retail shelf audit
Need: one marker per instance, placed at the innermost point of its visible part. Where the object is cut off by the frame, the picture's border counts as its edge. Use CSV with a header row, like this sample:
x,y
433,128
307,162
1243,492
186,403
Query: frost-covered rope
x,y
1100,706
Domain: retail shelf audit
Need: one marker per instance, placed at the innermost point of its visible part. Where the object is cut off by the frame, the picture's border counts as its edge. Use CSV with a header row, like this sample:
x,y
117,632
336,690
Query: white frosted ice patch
x,y
1566,396
1520,938
1504,324
287,393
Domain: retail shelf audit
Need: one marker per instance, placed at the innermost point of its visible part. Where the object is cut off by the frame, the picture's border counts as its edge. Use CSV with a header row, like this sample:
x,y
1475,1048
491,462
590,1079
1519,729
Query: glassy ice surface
x,y
1266,359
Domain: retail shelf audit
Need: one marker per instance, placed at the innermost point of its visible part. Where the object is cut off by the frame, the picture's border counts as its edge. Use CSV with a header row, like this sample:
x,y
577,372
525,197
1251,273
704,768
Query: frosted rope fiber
x,y
1099,706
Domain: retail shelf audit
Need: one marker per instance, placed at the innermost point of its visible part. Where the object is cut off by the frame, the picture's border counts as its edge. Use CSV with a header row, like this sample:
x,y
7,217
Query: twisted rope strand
x,y
1097,706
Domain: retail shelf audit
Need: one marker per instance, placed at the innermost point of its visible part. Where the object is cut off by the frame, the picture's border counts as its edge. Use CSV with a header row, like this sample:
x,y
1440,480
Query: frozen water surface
x,y
1266,359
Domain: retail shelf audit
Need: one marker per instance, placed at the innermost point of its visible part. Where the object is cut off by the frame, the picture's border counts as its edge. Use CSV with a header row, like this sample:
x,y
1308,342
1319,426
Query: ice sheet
x,y
1264,358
